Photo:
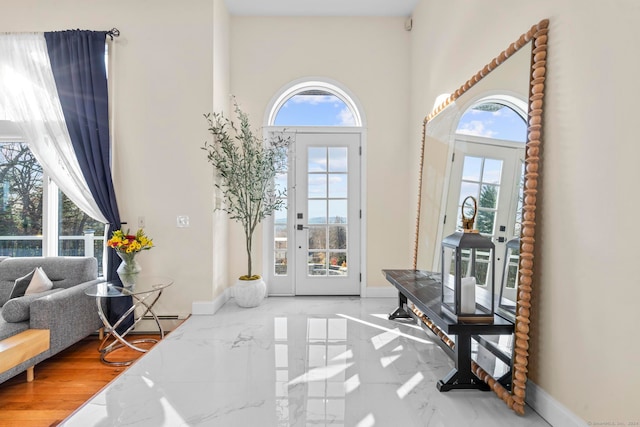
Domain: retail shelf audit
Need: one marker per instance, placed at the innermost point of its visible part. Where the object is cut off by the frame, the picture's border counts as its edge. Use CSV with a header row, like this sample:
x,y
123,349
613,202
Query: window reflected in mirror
x,y
493,120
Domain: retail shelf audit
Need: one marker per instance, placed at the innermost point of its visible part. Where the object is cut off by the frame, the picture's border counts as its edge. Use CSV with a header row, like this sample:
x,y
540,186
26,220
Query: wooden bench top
x,y
22,347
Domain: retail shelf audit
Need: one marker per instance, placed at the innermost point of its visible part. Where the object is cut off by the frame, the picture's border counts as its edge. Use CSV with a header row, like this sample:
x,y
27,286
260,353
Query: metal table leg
x,y
119,341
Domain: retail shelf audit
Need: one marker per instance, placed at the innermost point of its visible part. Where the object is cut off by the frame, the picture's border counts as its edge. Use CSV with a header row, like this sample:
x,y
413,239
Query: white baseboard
x,y
554,412
380,292
209,308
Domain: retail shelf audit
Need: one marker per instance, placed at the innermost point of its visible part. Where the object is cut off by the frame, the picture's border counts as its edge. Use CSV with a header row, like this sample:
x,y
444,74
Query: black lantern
x,y
468,260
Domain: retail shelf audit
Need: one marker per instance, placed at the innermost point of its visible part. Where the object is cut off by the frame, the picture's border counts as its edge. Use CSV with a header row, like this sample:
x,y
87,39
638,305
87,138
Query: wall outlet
x,y
141,222
182,221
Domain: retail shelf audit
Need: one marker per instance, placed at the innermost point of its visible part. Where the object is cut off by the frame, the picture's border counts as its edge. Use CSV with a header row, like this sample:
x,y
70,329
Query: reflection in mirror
x,y
489,149
483,141
476,142
509,282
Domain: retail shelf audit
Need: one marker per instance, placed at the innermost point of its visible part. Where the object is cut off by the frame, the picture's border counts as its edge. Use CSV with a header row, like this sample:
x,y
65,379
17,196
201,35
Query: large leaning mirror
x,y
484,141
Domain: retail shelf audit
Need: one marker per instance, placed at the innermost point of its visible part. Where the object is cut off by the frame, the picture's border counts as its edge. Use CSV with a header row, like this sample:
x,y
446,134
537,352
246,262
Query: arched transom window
x,y
496,120
314,104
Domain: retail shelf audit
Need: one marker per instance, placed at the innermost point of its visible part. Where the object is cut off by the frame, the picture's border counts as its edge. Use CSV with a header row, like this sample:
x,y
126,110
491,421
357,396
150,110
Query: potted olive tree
x,y
246,166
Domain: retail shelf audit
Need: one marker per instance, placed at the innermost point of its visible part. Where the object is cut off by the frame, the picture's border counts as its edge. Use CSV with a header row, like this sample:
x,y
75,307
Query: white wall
x,y
162,84
221,88
583,347
369,57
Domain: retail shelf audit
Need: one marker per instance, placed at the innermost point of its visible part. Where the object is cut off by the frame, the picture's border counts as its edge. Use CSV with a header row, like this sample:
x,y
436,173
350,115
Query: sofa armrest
x,y
70,315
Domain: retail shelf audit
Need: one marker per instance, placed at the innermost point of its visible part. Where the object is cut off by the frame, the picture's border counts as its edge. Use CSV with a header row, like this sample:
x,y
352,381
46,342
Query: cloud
x,y
346,117
475,128
313,99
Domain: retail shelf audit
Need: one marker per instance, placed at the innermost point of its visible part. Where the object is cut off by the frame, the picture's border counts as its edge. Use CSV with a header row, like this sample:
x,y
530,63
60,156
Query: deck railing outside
x,y
86,245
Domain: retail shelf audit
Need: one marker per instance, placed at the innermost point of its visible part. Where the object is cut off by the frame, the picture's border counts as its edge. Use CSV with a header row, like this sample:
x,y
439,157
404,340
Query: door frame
x,y
286,287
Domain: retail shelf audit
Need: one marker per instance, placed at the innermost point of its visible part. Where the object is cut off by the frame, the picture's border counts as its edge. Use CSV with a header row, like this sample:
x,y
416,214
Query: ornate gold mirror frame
x,y
537,35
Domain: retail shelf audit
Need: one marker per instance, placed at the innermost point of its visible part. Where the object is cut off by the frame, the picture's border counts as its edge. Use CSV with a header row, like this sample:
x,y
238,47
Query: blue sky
x,y
314,110
502,124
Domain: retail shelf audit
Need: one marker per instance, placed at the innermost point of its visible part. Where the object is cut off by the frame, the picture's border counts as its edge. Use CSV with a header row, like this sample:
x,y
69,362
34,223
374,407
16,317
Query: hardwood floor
x,y
62,384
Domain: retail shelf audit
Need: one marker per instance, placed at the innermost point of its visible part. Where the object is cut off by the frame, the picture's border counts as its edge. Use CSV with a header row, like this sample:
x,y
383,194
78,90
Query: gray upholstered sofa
x,y
56,318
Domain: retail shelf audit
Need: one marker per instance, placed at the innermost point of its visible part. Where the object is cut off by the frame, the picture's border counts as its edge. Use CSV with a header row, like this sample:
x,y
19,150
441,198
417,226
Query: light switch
x,y
182,221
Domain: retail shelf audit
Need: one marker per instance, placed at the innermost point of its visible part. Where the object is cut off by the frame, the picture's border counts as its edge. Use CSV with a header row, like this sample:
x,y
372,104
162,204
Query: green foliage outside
x,y
488,200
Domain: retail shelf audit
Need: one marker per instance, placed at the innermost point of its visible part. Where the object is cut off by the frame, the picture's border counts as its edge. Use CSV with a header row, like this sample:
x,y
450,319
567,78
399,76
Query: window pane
x,y
483,258
337,237
338,263
338,159
280,215
317,212
488,197
280,237
337,211
317,186
338,185
492,171
314,108
79,234
280,183
317,237
518,222
281,263
484,221
317,159
20,201
468,189
472,168
316,263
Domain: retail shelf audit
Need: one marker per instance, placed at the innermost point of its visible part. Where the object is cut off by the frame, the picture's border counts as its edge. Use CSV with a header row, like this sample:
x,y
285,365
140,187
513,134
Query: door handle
x,y
301,227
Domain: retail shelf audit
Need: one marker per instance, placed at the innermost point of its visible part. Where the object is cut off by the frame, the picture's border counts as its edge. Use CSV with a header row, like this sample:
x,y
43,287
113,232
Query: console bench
x,y
422,289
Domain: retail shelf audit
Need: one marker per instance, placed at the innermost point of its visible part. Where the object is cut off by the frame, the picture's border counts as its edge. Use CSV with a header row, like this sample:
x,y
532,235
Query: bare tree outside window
x,y
21,210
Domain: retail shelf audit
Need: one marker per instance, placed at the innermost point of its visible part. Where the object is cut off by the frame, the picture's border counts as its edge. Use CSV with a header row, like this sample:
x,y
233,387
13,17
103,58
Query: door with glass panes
x,y
327,214
315,241
491,172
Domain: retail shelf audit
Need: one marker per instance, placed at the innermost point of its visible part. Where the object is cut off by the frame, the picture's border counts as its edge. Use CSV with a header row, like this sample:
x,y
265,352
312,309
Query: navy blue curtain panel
x,y
78,62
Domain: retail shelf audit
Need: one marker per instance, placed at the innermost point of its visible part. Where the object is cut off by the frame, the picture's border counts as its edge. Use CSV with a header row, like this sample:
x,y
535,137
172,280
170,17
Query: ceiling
x,y
321,7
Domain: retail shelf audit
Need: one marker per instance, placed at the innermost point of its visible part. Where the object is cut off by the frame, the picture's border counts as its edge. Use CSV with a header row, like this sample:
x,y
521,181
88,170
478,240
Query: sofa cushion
x,y
21,284
39,282
17,309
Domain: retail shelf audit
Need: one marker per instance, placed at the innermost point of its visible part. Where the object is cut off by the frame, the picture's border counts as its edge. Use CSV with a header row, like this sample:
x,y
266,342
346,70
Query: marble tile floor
x,y
294,361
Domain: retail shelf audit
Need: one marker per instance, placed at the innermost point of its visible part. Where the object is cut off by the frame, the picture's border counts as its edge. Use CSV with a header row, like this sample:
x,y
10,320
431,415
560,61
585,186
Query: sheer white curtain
x,y
29,98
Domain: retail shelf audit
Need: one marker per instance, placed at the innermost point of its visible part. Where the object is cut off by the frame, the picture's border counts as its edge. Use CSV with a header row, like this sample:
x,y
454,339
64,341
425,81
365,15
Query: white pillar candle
x,y
468,295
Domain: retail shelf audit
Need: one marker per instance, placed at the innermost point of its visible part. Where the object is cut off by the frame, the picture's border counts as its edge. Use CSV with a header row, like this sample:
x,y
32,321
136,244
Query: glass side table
x,y
144,294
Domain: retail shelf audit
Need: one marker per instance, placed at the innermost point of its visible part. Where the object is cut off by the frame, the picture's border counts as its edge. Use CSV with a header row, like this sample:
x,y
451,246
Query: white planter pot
x,y
249,293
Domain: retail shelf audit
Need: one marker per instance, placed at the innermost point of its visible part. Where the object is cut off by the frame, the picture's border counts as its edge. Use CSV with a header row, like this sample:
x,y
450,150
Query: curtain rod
x,y
114,32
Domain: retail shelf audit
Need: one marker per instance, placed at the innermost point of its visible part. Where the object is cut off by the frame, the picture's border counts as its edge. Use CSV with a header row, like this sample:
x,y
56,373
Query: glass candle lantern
x,y
468,274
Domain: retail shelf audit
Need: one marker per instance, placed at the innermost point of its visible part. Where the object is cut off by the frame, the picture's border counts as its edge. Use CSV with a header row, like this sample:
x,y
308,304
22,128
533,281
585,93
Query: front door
x,y
327,214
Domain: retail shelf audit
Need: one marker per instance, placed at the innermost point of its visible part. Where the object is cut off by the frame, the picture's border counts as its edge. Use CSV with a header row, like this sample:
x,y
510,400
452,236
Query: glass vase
x,y
129,269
